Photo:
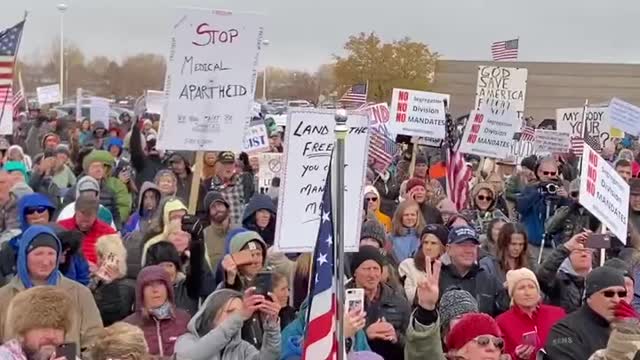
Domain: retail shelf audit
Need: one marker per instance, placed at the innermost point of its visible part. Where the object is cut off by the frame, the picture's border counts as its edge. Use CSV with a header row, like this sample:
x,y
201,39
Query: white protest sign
x,y
256,107
49,94
379,118
155,101
570,120
210,80
418,113
99,110
604,193
270,166
309,143
501,88
488,134
6,119
552,141
624,116
256,139
521,149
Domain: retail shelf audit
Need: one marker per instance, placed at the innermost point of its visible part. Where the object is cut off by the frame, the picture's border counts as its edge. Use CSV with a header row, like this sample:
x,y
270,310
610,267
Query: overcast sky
x,y
305,33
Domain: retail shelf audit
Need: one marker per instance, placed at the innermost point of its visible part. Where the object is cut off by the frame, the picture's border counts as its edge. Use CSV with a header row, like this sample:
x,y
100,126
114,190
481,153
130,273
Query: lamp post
x,y
340,131
264,75
62,7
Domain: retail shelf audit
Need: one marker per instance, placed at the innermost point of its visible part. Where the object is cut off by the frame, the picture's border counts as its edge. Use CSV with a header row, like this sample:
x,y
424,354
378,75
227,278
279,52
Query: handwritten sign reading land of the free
x,y
210,81
309,143
501,88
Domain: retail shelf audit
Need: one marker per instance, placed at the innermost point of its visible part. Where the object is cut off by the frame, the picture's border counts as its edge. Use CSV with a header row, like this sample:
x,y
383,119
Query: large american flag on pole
x,y
458,173
9,43
505,50
320,341
355,96
381,149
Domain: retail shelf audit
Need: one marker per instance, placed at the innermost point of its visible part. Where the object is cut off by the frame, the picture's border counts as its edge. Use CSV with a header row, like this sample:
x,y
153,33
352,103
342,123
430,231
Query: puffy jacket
x,y
423,336
559,282
161,218
260,202
115,300
140,219
533,211
404,246
98,229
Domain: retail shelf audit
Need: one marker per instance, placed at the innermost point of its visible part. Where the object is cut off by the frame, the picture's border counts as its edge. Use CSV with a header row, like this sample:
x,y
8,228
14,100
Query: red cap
x,y
413,182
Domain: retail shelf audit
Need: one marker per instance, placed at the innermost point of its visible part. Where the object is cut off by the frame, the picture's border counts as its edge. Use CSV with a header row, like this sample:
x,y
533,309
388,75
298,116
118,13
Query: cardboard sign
x,y
501,88
309,144
604,193
569,120
256,139
379,116
552,141
418,113
270,167
625,116
487,134
155,101
210,80
49,94
100,110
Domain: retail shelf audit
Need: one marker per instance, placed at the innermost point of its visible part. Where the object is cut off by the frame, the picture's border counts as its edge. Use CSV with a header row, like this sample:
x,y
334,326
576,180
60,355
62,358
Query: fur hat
x,y
40,307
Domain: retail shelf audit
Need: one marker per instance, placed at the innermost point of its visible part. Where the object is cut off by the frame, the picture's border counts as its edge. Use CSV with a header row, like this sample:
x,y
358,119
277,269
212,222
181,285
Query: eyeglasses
x,y
37,209
485,340
483,198
611,293
549,173
371,199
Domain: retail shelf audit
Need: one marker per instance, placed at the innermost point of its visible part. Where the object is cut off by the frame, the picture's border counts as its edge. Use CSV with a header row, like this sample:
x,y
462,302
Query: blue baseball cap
x,y
459,235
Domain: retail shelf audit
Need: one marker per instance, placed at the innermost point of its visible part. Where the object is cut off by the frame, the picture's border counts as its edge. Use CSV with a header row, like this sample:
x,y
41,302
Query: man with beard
x,y
216,232
40,317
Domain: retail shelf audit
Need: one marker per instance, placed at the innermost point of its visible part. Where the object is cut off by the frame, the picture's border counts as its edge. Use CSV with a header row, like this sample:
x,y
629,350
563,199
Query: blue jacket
x,y
25,240
533,211
404,246
33,200
260,202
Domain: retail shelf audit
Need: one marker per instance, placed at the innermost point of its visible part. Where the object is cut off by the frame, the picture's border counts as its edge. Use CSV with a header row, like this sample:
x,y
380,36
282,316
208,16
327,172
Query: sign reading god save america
x,y
418,113
604,193
501,88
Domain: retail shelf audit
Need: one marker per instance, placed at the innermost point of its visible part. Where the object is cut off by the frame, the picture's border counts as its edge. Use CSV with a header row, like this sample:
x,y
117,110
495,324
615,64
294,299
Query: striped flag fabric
x,y
505,50
577,145
381,149
9,42
18,98
458,173
320,342
355,96
528,133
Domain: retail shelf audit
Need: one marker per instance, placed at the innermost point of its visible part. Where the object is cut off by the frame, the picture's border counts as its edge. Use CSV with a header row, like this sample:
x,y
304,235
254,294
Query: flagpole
x,y
340,131
24,94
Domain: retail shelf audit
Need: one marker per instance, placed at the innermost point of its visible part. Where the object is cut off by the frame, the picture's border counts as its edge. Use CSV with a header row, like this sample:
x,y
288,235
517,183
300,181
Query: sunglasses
x,y
611,293
372,199
549,173
483,198
486,339
37,209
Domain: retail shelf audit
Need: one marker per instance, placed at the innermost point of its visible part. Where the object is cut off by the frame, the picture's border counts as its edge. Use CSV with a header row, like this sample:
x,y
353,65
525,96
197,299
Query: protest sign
x,y
489,134
569,120
49,94
210,80
309,144
604,193
625,116
99,110
418,113
379,118
552,141
6,119
501,88
270,166
521,149
256,139
155,101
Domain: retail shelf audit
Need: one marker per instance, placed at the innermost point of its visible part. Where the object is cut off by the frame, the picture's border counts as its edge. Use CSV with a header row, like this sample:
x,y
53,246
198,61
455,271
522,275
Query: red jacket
x,y
98,229
514,323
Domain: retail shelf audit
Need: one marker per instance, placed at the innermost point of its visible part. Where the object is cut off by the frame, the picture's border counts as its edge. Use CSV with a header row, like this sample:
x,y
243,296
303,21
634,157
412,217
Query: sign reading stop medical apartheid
x,y
604,193
418,113
309,144
488,134
49,94
598,126
501,88
210,80
552,141
270,166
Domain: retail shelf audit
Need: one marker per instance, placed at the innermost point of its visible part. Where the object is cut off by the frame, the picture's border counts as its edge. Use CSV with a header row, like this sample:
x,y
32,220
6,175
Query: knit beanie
x,y
87,183
43,240
10,166
515,276
240,240
439,231
413,182
454,303
470,327
621,265
210,308
602,278
366,253
63,149
372,229
163,251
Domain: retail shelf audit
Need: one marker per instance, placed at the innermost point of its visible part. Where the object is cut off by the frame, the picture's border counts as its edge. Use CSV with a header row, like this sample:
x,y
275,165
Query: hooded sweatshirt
x,y
380,216
140,218
260,202
224,342
69,211
170,206
481,218
26,159
23,247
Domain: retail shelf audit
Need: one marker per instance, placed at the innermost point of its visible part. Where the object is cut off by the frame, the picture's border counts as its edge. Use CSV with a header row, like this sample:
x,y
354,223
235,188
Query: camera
x,y
549,188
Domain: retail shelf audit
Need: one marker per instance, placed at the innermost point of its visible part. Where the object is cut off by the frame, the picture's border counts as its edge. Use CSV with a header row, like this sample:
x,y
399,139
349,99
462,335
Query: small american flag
x,y
528,133
381,149
356,95
9,42
505,50
458,173
577,145
320,342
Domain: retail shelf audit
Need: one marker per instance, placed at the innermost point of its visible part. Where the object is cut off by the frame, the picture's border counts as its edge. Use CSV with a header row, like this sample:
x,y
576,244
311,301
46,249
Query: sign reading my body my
x,y
210,81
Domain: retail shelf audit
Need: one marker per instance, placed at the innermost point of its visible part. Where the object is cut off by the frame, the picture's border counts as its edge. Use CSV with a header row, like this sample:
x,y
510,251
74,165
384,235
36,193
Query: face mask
x,y
163,312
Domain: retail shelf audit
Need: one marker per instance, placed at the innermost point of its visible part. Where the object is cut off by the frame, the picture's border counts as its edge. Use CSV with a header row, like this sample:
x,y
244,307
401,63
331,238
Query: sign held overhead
x,y
418,113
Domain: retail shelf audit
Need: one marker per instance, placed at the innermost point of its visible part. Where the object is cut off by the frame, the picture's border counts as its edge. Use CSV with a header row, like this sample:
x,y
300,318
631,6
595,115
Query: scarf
x,y
163,312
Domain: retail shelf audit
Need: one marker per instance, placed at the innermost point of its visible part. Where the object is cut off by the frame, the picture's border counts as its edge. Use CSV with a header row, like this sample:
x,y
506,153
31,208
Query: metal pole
x,y
341,130
264,84
62,8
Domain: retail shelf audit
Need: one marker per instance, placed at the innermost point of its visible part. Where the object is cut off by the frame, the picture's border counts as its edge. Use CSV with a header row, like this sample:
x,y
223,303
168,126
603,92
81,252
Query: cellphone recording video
x,y
264,283
66,351
354,299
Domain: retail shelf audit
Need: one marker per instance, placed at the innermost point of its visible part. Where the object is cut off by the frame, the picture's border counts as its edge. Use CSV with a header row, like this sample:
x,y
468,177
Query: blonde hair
x,y
397,228
120,341
112,244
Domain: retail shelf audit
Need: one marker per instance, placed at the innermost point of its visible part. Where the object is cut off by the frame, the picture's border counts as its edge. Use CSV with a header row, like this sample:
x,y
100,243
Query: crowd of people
x,y
100,255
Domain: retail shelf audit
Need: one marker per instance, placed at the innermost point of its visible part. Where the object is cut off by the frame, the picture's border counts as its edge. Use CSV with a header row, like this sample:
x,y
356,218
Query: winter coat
x,y
98,229
214,242
115,300
404,246
532,208
141,218
43,184
412,277
515,322
224,342
623,344
480,219
9,215
108,197
559,282
423,341
389,189
165,209
492,266
64,178
104,214
260,202
490,294
431,214
146,166
233,193
568,221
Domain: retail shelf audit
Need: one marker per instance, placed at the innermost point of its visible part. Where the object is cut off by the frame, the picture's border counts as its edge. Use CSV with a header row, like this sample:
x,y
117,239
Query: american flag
x,y
505,50
577,144
356,95
458,173
528,133
320,342
9,42
381,149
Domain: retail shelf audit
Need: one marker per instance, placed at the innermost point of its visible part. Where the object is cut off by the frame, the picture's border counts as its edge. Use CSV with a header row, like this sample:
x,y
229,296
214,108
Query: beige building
x,y
549,85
